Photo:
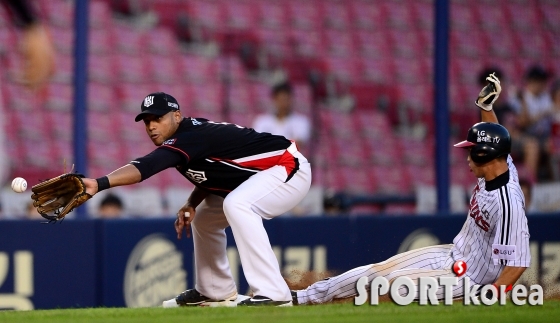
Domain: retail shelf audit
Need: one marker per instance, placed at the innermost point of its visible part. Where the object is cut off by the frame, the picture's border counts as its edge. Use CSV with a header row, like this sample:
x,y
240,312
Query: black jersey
x,y
219,157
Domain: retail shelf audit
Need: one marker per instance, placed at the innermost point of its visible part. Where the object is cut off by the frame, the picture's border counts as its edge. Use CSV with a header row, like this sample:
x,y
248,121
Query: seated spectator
x,y
284,121
524,146
554,143
534,104
111,207
32,213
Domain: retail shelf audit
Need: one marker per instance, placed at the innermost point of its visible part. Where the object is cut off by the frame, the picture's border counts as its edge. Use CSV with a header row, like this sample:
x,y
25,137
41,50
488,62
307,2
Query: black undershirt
x,y
497,182
157,161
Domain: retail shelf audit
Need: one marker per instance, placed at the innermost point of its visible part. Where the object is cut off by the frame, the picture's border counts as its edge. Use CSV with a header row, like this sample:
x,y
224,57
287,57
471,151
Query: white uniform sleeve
x,y
261,123
511,242
512,170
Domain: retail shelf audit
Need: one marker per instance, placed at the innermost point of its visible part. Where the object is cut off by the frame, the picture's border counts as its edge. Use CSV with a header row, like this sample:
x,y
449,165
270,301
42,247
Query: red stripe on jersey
x,y
286,159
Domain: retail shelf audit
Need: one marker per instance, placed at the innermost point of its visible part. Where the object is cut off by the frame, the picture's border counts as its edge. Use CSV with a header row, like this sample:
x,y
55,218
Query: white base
x,y
227,303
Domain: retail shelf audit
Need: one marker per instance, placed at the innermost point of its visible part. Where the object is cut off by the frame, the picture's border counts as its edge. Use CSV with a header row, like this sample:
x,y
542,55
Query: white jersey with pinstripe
x,y
496,225
495,234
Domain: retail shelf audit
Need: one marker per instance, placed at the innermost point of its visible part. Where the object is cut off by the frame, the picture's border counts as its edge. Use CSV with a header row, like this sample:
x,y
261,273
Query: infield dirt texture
x,y
385,312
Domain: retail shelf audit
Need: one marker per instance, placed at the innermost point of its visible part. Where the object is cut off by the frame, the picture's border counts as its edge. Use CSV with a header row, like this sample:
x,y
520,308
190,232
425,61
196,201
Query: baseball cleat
x,y
264,301
191,297
294,297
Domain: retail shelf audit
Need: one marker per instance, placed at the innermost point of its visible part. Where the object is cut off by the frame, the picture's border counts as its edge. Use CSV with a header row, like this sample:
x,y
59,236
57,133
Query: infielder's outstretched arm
x,y
125,175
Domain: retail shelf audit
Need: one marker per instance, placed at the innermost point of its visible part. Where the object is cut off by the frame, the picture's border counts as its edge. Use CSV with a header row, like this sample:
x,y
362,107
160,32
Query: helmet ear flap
x,y
481,154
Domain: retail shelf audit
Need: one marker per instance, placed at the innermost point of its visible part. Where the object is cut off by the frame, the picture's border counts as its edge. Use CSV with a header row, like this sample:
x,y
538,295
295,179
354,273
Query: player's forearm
x,y
125,175
488,116
196,197
509,275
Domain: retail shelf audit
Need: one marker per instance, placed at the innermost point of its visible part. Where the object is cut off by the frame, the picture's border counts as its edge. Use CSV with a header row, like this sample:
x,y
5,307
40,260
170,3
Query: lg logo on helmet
x,y
483,138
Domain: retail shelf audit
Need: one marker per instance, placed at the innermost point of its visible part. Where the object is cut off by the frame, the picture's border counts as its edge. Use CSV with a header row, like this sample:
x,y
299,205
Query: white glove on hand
x,y
489,94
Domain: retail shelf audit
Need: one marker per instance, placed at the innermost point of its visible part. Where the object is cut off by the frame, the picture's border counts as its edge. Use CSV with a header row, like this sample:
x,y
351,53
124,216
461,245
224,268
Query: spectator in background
x,y
32,213
554,143
111,207
284,121
527,188
534,104
523,146
38,54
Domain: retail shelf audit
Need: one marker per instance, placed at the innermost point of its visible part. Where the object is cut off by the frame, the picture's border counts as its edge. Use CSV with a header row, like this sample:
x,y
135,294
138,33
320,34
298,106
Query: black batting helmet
x,y
487,141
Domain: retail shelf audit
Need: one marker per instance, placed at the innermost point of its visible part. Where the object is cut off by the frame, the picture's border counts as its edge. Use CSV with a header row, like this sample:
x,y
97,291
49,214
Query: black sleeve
x,y
21,11
157,161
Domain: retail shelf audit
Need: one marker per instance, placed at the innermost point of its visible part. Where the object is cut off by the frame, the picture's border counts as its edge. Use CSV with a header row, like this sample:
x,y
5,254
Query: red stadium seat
x,y
100,97
391,180
129,40
398,16
462,18
196,68
302,99
99,15
339,43
131,68
377,70
421,175
163,69
240,98
423,13
306,43
58,12
384,151
372,124
59,97
161,41
240,14
372,44
101,69
207,14
303,14
523,17
207,97
272,14
62,38
335,14
367,15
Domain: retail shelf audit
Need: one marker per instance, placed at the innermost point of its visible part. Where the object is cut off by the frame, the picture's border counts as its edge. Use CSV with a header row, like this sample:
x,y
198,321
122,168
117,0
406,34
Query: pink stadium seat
x,y
100,97
421,175
241,119
64,126
196,68
466,70
303,14
99,15
356,180
391,180
100,69
423,13
532,45
131,68
261,97
383,151
130,131
418,96
63,151
399,15
240,99
208,14
8,39
372,44
231,68
462,18
406,43
418,152
207,97
377,70
129,39
18,97
38,153
339,43
161,41
524,17
59,96
466,43
491,17
336,15
105,154
302,98
64,70
58,12
63,39
274,41
240,14
306,43
552,43
502,45
338,124
367,15
162,69
101,127
272,14
372,124
131,96
31,126
349,151
551,14
343,68
410,71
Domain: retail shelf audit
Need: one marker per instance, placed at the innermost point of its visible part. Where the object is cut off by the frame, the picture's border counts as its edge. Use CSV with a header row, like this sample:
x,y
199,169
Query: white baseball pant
x,y
434,261
264,195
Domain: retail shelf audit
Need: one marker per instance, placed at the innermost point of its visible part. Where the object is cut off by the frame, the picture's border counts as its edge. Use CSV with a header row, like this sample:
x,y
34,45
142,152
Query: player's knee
x,y
232,205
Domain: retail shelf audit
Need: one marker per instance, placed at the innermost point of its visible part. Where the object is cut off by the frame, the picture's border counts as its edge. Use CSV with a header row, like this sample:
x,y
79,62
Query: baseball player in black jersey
x,y
494,241
241,177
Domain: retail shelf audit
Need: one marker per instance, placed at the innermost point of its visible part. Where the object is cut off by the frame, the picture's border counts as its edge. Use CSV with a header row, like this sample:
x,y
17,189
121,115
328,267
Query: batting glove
x,y
489,93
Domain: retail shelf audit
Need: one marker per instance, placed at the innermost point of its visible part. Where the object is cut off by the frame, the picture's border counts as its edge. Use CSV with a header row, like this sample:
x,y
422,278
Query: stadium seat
x,y
195,68
523,17
462,18
376,70
306,43
423,15
335,14
271,14
161,41
101,69
162,69
367,15
59,97
303,14
302,98
372,44
391,180
339,43
63,39
58,12
240,14
99,15
101,97
398,16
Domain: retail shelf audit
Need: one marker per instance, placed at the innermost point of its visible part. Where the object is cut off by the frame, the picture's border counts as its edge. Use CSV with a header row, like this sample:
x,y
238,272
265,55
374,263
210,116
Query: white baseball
x,y
19,185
